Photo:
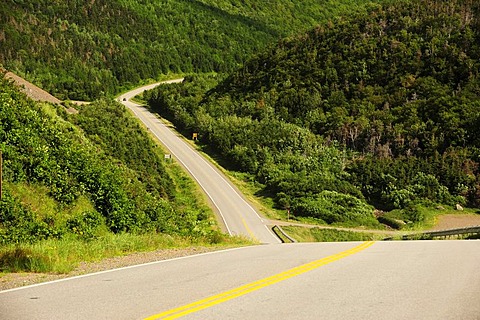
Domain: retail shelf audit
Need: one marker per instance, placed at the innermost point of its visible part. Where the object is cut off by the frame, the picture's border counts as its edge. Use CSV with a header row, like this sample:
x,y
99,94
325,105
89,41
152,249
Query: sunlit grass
x,y
63,255
302,234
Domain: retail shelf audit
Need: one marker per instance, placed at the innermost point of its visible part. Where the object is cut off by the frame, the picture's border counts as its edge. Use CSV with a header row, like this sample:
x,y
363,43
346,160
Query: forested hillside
x,y
86,176
377,109
87,49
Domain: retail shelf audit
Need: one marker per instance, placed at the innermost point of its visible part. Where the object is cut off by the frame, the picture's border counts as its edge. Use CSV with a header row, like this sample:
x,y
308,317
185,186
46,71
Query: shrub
x,y
401,198
19,225
414,213
86,224
333,207
391,222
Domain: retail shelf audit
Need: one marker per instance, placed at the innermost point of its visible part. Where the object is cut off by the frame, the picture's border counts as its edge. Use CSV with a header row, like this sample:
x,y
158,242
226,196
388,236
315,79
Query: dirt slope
x,y
453,221
36,93
31,90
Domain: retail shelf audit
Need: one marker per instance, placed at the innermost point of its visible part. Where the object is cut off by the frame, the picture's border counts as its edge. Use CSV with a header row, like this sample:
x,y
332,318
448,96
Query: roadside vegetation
x,y
367,120
93,179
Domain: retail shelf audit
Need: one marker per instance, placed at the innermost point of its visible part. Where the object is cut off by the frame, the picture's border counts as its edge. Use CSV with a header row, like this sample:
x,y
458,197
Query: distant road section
x,y
237,215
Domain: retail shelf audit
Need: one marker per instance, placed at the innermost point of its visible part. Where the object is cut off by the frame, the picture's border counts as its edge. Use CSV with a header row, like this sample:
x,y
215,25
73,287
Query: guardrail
x,y
444,233
282,234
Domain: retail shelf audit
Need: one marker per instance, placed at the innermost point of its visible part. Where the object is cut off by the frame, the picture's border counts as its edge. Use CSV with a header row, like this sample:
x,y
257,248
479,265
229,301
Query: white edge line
x,y
195,177
214,169
236,192
122,268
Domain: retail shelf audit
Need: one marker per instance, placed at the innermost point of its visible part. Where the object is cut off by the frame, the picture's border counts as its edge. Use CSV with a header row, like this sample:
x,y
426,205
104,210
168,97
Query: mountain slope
x,y
382,106
83,50
75,176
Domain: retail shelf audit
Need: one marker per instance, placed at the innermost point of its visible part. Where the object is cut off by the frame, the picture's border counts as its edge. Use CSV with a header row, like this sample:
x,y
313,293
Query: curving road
x,y
348,280
237,215
383,280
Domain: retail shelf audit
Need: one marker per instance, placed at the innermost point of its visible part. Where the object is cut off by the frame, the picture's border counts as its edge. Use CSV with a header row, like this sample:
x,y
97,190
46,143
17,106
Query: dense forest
x,y
377,109
83,50
85,175
371,112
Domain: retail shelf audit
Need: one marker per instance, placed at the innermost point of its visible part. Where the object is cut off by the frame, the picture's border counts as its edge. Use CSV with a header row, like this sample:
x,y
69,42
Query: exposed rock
x,y
458,207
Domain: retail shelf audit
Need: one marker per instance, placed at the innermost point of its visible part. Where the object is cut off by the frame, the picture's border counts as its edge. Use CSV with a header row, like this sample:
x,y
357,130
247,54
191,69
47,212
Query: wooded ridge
x,y
371,110
86,175
83,50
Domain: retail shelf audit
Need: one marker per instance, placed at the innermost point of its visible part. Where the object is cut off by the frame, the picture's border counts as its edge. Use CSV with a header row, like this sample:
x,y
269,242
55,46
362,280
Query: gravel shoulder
x,y
14,280
454,221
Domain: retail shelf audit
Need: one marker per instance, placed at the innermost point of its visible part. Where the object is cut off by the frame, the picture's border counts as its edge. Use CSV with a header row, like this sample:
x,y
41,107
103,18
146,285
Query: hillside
x,y
83,50
375,109
86,177
32,91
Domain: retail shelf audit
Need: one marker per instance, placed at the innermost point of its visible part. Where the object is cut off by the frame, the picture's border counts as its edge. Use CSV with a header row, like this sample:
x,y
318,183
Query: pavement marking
x,y
156,121
120,269
256,285
252,235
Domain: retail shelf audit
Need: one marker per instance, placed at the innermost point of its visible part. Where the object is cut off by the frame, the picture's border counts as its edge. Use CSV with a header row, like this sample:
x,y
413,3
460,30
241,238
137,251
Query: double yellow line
x,y
240,291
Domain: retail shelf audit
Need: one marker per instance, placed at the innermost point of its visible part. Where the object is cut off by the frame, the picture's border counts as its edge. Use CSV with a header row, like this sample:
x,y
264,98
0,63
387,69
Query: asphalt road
x,y
237,215
349,280
383,280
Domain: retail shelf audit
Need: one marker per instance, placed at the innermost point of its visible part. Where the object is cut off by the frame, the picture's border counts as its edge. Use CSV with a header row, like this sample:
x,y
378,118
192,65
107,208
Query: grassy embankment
x,y
65,254
86,200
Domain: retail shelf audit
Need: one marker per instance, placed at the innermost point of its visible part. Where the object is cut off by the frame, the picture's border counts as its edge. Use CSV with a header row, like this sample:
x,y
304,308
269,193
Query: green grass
x,y
63,255
36,197
302,234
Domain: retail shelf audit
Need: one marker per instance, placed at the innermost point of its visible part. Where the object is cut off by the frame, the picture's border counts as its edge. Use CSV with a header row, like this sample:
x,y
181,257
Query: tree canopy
x,y
381,105
87,49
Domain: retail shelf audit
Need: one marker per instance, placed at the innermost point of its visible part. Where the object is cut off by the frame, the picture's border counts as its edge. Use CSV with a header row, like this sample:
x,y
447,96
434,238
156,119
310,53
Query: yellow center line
x,y
249,230
256,285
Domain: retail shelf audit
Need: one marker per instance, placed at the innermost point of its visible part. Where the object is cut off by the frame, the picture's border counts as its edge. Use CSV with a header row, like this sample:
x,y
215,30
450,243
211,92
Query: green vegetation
x,y
302,234
88,179
378,109
63,255
85,50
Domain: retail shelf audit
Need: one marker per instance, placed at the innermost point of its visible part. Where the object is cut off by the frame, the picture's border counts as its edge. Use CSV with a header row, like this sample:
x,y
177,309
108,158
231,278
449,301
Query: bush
x,y
86,224
19,225
333,207
401,198
391,222
414,213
